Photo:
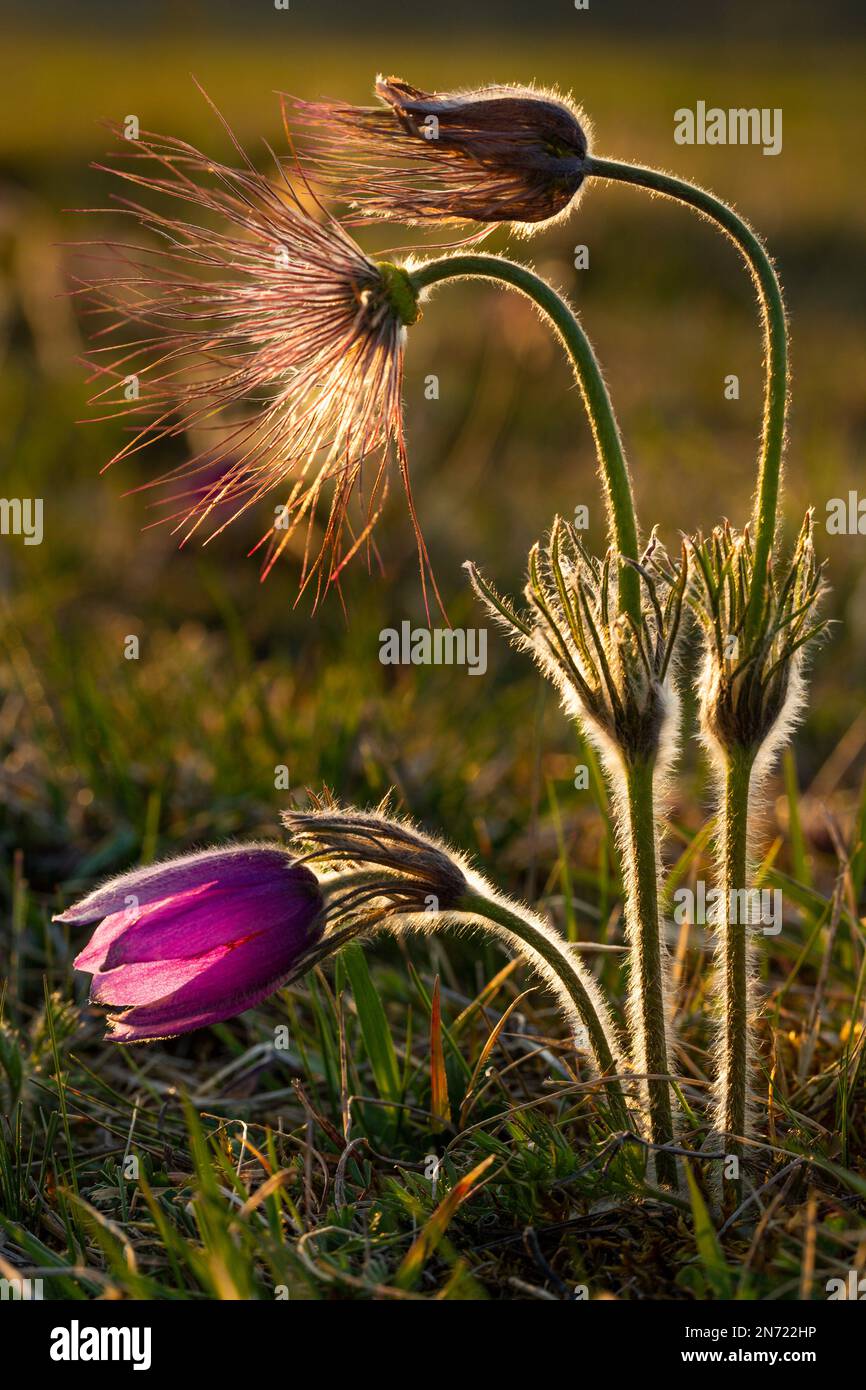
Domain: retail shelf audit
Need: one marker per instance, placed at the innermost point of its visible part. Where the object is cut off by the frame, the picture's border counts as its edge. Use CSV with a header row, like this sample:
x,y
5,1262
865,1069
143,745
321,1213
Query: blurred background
x,y
105,761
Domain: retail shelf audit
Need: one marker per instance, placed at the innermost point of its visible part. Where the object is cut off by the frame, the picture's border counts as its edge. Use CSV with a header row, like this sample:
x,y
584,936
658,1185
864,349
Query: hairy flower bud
x,y
612,672
751,686
495,154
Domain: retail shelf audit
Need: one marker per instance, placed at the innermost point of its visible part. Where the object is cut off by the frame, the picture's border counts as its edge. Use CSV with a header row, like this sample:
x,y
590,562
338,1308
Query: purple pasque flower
x,y
195,940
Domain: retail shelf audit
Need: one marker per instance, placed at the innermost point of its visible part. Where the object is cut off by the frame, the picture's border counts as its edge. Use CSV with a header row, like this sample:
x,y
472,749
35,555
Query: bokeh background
x,y
103,758
106,762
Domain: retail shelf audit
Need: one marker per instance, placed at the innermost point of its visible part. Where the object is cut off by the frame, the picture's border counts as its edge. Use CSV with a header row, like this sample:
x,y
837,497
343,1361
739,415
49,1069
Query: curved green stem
x,y
608,442
523,932
775,342
532,937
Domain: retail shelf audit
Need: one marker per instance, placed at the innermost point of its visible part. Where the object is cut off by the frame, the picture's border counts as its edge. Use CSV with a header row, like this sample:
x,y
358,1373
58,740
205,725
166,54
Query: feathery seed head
x,y
751,687
612,673
495,154
258,329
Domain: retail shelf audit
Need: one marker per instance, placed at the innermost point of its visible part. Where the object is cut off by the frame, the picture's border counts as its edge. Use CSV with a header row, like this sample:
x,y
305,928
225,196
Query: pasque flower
x,y
194,940
493,154
751,693
255,322
380,872
614,672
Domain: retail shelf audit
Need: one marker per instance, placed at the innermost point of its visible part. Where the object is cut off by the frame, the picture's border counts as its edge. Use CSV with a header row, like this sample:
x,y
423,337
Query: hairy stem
x,y
524,932
622,523
775,344
732,1109
553,956
649,967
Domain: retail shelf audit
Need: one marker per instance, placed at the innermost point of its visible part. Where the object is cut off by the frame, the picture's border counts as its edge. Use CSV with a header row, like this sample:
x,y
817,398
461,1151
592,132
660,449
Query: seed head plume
x,y
249,319
496,154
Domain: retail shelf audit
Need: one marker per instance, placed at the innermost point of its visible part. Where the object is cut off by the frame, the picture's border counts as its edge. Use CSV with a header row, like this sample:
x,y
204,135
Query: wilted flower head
x,y
254,324
398,867
495,154
751,687
611,671
186,943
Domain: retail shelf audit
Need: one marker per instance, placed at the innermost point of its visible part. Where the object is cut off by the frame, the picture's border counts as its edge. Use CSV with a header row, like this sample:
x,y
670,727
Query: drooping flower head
x,y
751,688
496,154
378,872
189,942
612,672
252,325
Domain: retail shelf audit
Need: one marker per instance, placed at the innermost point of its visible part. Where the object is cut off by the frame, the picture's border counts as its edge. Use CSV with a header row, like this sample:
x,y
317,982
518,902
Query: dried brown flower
x,y
495,154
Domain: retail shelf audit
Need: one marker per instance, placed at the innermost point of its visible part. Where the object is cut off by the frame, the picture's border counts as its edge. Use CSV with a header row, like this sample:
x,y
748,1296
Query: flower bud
x,y
195,940
612,672
751,686
495,154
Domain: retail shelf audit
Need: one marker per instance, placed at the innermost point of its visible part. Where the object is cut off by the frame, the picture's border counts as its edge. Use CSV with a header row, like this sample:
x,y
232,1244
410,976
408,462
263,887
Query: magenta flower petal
x,y
149,981
197,939
94,953
236,865
224,987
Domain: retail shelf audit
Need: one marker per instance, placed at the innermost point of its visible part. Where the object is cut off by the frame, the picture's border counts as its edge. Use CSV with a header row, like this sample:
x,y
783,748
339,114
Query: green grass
x,y
265,1172
307,1168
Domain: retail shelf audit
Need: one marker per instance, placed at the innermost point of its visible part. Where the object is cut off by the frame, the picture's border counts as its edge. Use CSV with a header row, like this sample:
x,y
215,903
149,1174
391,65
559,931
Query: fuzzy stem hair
x,y
480,907
751,694
618,680
574,987
734,965
649,995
